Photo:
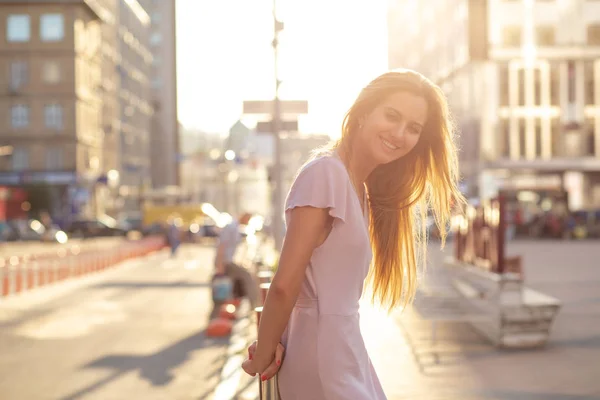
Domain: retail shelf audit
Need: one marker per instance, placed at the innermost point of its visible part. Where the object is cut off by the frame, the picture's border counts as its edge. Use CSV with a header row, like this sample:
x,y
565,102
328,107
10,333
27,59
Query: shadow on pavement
x,y
155,368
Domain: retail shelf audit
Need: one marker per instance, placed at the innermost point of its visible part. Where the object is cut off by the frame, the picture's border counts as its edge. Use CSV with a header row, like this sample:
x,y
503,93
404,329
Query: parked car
x,y
100,227
32,230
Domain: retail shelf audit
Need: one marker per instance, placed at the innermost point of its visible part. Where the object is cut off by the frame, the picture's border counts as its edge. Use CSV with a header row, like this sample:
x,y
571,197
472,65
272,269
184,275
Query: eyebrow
x,y
390,108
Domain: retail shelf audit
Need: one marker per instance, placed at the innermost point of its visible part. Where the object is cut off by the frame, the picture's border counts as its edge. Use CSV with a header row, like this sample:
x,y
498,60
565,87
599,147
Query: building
x,y
75,104
50,104
164,142
134,102
523,80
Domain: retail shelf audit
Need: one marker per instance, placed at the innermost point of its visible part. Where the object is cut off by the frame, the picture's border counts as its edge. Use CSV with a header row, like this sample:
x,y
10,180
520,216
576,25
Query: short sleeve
x,y
322,183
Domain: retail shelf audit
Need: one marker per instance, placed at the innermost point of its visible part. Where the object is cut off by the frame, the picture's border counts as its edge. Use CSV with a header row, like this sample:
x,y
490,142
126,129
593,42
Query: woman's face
x,y
393,128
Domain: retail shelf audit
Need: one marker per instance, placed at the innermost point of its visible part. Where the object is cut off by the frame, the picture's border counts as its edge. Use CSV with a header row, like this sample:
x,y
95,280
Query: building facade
x,y
523,80
75,104
134,102
164,143
50,104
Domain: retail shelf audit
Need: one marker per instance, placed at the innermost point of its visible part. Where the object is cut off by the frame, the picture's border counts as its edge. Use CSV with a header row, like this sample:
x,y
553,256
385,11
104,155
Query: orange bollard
x,y
219,327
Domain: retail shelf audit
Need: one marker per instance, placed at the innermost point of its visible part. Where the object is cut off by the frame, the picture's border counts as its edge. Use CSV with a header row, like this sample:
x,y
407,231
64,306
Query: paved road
x,y
134,332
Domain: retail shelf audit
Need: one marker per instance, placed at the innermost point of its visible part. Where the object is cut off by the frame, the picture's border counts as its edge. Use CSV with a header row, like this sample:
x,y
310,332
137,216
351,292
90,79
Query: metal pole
x,y
276,123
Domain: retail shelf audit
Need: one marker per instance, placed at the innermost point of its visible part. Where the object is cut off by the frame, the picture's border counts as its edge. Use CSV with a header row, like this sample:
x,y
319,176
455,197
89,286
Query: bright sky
x,y
329,50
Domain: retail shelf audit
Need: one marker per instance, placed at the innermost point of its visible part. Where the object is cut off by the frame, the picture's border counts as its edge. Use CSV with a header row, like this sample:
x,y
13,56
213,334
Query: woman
x,y
362,202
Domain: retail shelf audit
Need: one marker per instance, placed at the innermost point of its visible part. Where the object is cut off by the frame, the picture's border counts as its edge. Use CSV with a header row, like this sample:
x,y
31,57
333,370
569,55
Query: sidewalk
x,y
462,365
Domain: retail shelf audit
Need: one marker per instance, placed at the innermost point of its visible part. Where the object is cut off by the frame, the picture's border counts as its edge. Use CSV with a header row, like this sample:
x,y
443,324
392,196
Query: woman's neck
x,y
358,165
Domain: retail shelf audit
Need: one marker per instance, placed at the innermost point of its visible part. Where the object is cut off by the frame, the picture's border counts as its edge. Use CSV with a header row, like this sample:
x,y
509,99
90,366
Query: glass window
x,y
521,87
511,36
588,76
156,83
593,35
503,80
51,72
155,38
544,35
53,116
19,115
537,87
555,84
18,28
54,158
52,27
19,74
20,159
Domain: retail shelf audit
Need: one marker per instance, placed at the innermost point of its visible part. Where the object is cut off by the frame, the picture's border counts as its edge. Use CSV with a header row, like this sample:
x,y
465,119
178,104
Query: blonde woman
x,y
356,211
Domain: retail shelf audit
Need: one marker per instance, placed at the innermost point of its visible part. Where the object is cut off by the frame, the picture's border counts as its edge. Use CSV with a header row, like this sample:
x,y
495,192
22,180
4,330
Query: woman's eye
x,y
392,117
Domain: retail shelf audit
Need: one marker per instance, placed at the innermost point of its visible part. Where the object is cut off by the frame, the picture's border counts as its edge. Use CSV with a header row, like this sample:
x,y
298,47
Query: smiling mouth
x,y
389,145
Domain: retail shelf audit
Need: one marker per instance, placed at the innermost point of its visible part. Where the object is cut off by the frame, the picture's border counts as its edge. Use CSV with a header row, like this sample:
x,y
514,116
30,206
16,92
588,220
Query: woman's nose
x,y
400,131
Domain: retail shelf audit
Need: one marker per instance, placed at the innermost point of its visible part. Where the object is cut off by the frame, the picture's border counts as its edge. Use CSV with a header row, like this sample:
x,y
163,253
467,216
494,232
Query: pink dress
x,y
325,357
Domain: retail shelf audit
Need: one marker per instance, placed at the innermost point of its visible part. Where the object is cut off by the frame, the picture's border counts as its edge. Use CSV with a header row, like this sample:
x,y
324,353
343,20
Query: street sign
x,y
286,126
289,107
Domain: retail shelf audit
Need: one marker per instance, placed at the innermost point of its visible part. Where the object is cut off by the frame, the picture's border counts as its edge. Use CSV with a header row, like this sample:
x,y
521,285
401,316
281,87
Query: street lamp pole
x,y
276,127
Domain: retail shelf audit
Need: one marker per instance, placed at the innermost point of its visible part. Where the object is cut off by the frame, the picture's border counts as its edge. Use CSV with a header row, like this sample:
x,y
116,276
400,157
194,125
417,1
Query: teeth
x,y
389,145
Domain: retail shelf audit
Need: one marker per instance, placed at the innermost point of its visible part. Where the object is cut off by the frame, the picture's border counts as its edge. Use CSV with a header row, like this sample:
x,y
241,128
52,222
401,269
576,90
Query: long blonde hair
x,y
400,193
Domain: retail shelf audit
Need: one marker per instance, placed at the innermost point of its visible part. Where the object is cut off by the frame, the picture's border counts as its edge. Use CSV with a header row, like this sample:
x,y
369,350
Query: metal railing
x,y
269,389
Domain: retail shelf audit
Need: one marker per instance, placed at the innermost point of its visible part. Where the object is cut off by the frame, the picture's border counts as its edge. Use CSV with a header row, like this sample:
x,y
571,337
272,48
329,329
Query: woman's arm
x,y
308,228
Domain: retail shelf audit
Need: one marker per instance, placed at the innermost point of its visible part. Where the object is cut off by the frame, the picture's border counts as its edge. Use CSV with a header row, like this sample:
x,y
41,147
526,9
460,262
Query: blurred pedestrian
x,y
242,282
173,236
352,212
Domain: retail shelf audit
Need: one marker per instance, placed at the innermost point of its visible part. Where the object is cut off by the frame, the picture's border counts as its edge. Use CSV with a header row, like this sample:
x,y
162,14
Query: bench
x,y
517,316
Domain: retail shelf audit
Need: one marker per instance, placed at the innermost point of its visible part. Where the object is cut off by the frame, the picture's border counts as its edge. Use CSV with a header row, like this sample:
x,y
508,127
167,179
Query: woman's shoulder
x,y
324,165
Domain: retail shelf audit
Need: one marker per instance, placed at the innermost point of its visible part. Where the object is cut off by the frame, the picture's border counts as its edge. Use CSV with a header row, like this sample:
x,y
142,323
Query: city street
x,y
132,332
136,331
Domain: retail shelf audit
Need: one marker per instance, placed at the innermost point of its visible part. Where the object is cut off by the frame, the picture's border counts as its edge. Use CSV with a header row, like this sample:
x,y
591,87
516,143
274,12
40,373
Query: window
x,y
19,74
588,76
156,83
511,36
52,27
537,87
521,86
593,34
538,138
53,116
18,28
554,84
51,72
522,138
20,159
155,38
54,158
19,115
504,138
503,84
544,35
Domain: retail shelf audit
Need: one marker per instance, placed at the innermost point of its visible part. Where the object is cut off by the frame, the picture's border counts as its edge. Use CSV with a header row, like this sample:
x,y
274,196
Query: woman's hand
x,y
252,367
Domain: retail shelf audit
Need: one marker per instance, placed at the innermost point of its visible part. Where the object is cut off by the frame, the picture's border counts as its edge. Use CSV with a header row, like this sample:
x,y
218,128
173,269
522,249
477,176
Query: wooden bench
x,y
518,316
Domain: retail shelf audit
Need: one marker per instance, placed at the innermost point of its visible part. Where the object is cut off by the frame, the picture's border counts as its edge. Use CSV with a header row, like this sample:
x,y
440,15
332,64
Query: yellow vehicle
x,y
183,215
